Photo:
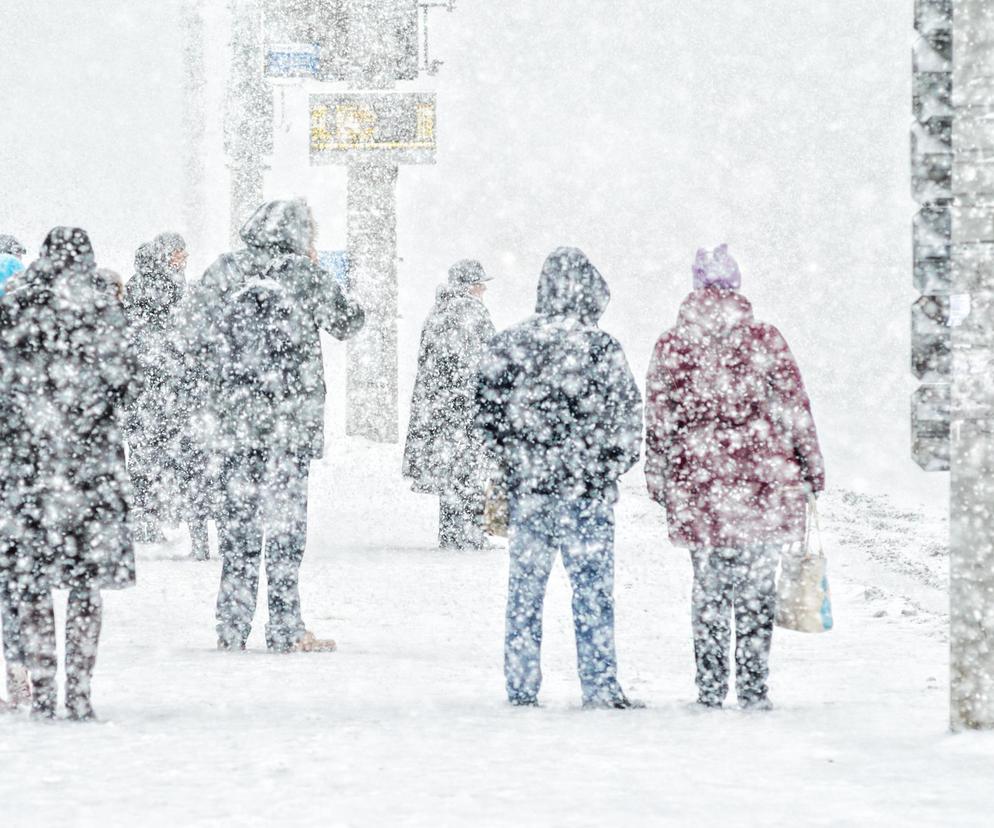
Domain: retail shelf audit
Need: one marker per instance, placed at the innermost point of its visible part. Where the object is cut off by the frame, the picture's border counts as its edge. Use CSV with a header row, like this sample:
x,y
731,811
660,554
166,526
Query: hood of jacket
x,y
571,286
155,287
280,227
714,311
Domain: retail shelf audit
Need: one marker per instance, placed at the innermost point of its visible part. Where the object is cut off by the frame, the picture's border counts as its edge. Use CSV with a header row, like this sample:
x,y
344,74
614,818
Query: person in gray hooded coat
x,y
149,299
444,454
559,407
253,323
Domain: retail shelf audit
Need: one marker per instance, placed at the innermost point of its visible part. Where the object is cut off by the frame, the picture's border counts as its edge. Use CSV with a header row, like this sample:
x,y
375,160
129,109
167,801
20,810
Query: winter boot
x,y
310,643
43,698
757,704
83,621
18,686
619,702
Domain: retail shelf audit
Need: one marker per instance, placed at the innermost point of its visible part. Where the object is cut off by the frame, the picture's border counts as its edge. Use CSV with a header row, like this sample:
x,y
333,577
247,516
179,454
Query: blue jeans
x,y
583,531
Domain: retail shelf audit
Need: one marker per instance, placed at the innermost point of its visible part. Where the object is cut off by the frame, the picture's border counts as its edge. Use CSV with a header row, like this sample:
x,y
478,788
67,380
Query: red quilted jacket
x,y
732,450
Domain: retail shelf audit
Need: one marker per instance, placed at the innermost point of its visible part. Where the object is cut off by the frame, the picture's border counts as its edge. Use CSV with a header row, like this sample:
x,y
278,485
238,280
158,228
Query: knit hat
x,y
716,270
467,272
11,246
10,265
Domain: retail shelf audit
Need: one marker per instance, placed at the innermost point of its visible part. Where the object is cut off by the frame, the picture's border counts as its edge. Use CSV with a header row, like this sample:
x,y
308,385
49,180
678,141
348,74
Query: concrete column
x,y
372,355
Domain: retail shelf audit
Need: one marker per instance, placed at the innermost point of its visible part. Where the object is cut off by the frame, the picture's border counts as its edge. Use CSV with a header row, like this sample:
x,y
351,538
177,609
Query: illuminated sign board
x,y
395,126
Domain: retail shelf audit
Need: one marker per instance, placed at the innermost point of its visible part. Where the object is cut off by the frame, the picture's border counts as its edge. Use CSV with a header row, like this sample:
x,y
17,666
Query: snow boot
x,y
759,704
18,686
620,702
523,701
43,699
310,643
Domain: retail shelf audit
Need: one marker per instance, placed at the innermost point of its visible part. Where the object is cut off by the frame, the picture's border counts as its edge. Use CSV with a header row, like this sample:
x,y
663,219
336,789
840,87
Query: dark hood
x,y
571,286
280,227
67,248
155,287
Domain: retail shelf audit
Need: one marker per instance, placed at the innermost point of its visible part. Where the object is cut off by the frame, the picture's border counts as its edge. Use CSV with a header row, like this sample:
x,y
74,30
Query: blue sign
x,y
336,262
293,60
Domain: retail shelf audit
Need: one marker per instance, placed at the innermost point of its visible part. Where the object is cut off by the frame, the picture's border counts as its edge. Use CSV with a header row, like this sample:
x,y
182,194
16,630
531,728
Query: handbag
x,y
804,602
495,511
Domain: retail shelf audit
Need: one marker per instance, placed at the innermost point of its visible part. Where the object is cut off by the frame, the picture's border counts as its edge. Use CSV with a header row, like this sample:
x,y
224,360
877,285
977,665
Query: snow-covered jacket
x,y
443,446
557,402
69,372
276,239
731,446
149,300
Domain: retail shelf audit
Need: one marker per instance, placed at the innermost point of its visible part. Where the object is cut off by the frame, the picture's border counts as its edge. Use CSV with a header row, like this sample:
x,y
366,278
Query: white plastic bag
x,y
804,602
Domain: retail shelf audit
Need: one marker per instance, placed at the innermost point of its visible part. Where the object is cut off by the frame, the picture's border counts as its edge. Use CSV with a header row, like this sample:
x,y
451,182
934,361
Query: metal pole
x,y
248,113
372,355
971,549
194,124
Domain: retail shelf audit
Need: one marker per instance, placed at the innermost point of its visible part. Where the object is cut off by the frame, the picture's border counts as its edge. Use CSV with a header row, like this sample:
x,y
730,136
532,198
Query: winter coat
x,y
557,402
70,372
443,450
149,299
276,239
731,447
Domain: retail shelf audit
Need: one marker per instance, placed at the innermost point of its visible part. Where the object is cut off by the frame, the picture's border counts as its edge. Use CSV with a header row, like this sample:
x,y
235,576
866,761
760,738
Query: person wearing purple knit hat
x,y
732,455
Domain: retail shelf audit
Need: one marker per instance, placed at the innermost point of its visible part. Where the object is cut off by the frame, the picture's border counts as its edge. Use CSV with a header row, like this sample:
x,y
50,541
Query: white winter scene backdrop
x,y
637,131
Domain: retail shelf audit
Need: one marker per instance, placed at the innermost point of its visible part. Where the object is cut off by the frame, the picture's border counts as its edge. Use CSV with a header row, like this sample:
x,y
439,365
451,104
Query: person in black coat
x,y
559,408
254,324
70,372
444,454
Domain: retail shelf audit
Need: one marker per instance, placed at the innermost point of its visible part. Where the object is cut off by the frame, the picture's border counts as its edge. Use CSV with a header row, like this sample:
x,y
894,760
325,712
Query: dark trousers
x,y
460,518
264,512
12,652
739,582
37,630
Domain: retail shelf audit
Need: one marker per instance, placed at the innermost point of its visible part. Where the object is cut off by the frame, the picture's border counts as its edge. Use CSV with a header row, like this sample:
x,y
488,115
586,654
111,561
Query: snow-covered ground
x,y
407,724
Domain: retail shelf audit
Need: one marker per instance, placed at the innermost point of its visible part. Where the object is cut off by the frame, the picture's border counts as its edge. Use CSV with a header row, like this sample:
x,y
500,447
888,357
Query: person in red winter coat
x,y
732,455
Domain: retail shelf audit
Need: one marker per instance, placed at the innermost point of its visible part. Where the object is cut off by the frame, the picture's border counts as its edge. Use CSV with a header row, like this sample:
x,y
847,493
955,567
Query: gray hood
x,y
571,286
280,227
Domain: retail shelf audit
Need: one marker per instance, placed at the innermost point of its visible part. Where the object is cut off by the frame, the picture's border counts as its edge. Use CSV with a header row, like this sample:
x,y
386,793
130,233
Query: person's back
x,y
559,408
71,373
558,403
253,327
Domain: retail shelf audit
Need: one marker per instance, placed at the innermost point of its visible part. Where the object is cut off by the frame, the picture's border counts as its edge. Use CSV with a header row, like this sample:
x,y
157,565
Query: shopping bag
x,y
804,602
495,511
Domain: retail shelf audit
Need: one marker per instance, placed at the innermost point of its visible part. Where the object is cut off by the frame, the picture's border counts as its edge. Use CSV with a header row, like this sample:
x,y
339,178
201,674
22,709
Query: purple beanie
x,y
716,270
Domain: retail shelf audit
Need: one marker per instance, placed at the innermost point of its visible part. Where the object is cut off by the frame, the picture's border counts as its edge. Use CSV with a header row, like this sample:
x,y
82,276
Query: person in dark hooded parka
x,y
254,323
150,297
444,454
560,409
69,371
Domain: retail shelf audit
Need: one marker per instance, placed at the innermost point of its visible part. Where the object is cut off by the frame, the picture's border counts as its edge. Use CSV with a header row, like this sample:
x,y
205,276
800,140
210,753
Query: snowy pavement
x,y
407,724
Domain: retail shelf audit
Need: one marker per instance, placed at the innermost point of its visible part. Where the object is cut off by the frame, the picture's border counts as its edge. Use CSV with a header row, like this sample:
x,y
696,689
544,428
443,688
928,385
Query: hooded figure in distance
x,y
150,297
559,408
444,454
